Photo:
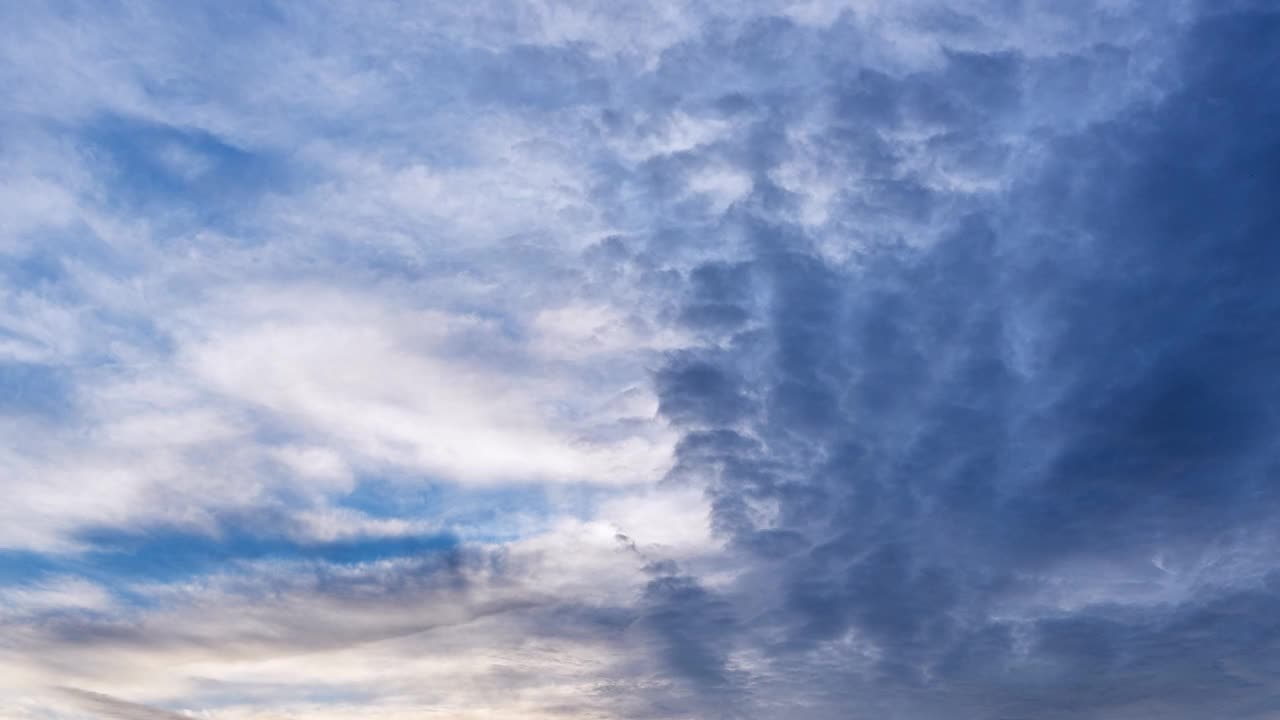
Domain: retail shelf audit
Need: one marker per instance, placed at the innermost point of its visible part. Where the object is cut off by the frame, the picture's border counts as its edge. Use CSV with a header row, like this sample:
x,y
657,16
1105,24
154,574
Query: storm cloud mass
x,y
805,360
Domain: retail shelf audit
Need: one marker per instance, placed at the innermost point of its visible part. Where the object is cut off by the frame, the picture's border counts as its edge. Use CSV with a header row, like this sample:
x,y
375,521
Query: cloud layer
x,y
631,360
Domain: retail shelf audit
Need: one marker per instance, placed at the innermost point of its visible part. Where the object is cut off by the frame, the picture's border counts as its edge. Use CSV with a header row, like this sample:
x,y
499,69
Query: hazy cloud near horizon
x,y
815,360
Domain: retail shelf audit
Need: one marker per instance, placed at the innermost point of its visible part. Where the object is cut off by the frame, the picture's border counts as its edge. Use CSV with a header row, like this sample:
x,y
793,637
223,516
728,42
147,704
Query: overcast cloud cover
x,y
829,359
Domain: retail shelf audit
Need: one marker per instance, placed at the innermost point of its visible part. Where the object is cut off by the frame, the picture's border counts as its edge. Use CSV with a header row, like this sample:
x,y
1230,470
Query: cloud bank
x,y
632,360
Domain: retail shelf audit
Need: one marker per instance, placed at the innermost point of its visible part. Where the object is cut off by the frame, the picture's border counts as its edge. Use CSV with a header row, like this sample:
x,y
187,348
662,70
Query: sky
x,y
623,360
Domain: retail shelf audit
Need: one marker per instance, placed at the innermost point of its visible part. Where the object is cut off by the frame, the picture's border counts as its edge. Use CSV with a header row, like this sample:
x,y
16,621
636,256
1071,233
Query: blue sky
x,y
817,359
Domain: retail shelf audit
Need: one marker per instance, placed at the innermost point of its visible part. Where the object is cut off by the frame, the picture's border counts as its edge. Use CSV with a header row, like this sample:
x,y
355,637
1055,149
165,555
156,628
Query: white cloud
x,y
380,385
54,594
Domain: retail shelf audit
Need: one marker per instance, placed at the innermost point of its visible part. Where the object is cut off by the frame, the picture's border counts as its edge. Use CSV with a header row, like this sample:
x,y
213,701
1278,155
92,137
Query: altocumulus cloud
x,y
640,360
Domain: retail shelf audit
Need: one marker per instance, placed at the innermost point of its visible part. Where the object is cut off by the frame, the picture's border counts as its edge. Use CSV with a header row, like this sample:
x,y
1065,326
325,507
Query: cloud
x,y
464,629
588,359
1067,374
341,371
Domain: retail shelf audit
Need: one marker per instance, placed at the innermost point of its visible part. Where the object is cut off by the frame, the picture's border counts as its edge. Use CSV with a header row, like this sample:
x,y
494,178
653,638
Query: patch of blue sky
x,y
47,253
183,174
33,389
41,267
117,556
22,566
497,514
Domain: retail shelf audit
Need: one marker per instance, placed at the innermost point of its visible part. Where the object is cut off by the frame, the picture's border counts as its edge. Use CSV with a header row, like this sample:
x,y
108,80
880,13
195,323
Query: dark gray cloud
x,y
922,452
